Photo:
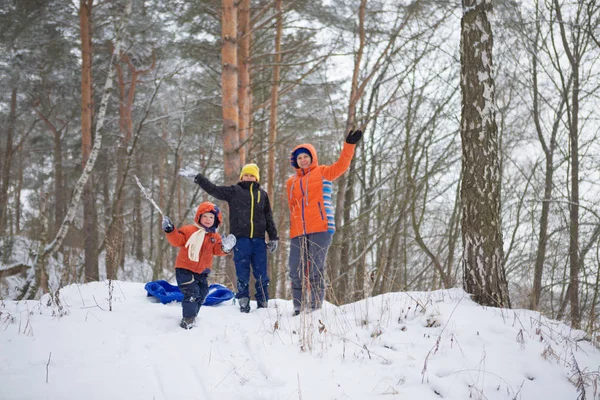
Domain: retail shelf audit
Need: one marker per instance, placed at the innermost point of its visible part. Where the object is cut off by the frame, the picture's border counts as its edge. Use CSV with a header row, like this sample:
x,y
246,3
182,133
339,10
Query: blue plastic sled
x,y
167,293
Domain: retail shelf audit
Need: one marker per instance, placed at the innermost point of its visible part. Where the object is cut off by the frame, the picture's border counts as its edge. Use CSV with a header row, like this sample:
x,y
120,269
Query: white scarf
x,y
194,243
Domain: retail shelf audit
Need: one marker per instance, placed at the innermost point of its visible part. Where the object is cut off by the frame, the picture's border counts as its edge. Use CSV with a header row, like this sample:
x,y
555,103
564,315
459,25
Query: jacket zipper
x,y
302,201
251,211
320,210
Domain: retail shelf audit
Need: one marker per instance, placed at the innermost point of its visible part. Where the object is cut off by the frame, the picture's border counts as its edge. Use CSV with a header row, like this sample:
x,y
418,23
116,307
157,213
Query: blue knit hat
x,y
296,153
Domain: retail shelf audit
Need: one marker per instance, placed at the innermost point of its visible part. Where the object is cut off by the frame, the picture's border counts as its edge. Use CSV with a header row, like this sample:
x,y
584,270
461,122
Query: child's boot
x,y
244,305
187,322
262,304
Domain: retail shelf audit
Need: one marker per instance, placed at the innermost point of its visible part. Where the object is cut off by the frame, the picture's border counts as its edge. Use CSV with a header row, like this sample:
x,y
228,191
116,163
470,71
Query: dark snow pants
x,y
194,288
307,269
251,254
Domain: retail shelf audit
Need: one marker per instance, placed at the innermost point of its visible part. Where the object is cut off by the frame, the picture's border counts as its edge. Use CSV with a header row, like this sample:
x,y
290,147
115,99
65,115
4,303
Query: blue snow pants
x,y
194,288
251,254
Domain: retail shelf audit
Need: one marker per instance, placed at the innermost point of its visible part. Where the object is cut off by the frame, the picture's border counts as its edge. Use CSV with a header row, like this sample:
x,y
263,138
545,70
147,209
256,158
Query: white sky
x,y
381,348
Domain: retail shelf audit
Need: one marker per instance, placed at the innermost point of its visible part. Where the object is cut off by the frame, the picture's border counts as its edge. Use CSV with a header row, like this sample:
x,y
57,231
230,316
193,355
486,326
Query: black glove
x,y
272,245
198,178
353,137
167,225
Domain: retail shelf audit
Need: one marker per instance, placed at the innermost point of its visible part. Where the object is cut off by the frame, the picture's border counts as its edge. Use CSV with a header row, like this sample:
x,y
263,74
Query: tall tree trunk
x,y
244,98
229,79
18,192
574,57
7,162
336,251
347,290
274,101
138,239
59,190
483,254
90,229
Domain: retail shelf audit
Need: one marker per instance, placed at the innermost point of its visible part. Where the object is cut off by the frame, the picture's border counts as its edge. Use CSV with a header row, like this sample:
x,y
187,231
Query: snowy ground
x,y
421,346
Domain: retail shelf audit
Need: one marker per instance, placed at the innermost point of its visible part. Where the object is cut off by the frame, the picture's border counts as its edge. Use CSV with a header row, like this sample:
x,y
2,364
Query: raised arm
x,y
218,192
335,170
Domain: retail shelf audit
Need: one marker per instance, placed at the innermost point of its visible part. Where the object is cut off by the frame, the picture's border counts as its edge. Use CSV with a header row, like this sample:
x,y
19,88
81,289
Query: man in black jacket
x,y
250,216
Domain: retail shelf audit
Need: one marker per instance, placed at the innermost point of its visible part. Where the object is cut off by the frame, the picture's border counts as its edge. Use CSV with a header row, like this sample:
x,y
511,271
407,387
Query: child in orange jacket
x,y
197,243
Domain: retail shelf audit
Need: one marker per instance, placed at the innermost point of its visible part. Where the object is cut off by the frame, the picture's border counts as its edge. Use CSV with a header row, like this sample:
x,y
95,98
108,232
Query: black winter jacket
x,y
250,212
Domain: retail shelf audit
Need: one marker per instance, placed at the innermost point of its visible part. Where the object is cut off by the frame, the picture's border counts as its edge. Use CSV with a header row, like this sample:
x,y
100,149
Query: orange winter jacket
x,y
309,192
211,246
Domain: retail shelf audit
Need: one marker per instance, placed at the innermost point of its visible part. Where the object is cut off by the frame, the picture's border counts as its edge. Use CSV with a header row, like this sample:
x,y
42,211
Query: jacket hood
x,y
313,155
205,207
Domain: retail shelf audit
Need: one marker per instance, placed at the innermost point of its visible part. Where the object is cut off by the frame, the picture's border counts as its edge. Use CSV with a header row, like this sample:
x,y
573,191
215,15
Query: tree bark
x,y
7,162
483,254
274,101
229,79
574,264
90,229
244,98
18,192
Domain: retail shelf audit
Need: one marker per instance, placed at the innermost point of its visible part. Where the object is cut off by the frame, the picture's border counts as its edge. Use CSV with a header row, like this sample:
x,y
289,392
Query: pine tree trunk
x,y
483,254
244,98
230,99
90,230
229,79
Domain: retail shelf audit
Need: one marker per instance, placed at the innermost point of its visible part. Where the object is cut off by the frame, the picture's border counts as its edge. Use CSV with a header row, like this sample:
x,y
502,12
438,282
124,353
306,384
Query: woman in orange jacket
x,y
197,243
312,224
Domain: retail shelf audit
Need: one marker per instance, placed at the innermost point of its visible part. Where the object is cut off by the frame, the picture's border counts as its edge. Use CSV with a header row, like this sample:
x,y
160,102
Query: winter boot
x,y
244,305
262,304
187,322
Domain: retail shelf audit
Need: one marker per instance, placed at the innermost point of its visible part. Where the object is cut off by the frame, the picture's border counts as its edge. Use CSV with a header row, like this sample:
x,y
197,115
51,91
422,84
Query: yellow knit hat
x,y
251,169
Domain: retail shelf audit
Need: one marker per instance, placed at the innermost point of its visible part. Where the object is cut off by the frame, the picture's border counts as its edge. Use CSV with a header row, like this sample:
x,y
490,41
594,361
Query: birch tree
x,y
483,254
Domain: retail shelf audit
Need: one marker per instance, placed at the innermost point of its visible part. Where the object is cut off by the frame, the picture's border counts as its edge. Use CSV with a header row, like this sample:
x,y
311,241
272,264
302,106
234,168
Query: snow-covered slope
x,y
437,345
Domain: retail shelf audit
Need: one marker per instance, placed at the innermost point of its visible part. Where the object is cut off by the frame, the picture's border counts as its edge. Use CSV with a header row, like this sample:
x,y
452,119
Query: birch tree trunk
x,y
483,254
46,251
